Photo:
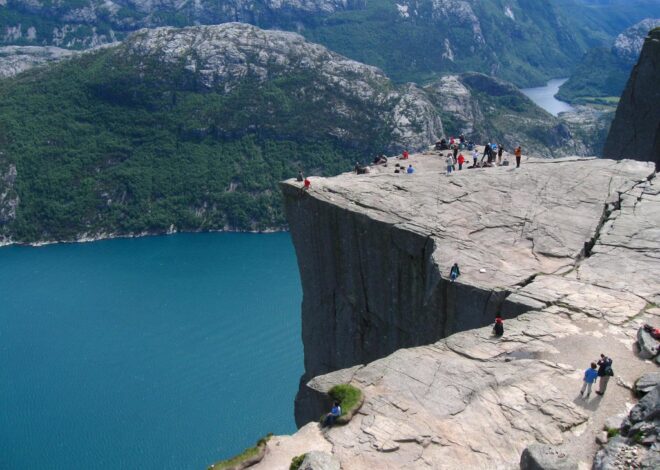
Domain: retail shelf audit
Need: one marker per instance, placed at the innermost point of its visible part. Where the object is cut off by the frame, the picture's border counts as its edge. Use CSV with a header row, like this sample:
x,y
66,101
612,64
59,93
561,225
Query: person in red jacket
x,y
405,155
498,329
461,160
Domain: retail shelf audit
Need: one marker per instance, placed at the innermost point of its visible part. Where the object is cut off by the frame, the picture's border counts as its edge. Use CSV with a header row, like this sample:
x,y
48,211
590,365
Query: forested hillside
x,y
191,128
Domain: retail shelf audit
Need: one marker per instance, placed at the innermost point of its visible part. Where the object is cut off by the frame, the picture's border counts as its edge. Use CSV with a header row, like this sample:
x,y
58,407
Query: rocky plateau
x,y
566,250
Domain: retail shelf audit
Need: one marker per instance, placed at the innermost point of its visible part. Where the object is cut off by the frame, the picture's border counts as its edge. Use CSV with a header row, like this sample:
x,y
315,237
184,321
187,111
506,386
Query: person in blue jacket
x,y
590,376
335,413
410,169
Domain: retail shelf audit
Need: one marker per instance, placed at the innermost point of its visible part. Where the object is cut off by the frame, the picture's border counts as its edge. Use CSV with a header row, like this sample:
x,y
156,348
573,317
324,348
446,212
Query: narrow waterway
x,y
544,97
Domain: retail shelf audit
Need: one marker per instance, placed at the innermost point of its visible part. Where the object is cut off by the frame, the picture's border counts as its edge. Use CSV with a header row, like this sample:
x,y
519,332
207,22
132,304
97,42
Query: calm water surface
x,y
544,97
151,353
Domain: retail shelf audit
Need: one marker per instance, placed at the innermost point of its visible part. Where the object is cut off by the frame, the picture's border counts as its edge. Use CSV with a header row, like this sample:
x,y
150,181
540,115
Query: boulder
x,y
647,382
545,457
648,407
648,346
319,461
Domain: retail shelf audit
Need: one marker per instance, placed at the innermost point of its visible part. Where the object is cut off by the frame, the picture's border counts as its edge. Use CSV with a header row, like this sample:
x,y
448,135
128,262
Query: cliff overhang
x,y
567,250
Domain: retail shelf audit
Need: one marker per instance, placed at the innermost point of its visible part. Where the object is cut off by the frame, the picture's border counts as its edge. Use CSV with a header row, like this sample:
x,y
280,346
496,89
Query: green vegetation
x,y
599,78
612,432
349,397
248,457
103,145
296,462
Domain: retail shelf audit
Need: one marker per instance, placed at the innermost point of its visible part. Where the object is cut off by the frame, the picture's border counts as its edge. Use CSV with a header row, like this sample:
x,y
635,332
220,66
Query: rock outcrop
x,y
635,132
628,44
17,59
550,246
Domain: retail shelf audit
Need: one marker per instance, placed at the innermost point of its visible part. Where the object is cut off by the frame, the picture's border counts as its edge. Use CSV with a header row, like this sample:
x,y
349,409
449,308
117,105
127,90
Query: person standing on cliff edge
x,y
518,153
454,272
498,328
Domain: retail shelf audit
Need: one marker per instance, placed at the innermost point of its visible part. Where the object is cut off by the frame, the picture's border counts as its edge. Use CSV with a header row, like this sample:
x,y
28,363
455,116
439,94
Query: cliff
x,y
566,250
635,132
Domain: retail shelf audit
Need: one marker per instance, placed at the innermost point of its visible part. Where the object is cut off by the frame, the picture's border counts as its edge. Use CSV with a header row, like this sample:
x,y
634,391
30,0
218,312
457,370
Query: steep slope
x,y
189,129
524,41
635,132
601,75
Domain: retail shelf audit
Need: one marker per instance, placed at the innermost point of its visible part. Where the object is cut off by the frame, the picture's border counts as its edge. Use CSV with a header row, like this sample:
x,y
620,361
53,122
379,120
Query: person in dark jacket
x,y
498,328
604,373
454,272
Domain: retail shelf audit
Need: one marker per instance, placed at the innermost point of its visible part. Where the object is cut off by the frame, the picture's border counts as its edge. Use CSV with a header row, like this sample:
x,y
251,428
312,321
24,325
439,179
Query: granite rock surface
x,y
545,245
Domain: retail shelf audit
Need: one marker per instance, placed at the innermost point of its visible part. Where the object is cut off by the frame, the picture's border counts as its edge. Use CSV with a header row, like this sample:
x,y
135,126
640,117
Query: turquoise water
x,y
160,352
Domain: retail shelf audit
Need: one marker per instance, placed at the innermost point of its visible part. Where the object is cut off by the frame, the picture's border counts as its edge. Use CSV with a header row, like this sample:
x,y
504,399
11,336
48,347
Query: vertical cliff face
x,y
635,132
373,285
374,251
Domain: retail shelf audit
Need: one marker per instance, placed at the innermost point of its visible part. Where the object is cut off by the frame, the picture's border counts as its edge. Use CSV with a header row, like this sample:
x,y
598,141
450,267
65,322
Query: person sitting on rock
x,y
300,177
410,170
604,372
380,159
454,272
360,170
335,412
590,376
307,184
498,328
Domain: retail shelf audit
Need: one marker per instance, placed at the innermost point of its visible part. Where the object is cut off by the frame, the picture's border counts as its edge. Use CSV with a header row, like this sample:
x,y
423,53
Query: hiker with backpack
x,y
604,373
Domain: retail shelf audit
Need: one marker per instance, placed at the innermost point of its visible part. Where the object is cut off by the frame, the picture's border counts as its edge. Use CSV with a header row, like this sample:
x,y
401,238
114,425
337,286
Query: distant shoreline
x,y
109,236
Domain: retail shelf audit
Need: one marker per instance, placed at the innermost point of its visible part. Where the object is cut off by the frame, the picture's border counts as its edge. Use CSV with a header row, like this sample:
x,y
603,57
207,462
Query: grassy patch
x,y
349,397
248,457
296,462
612,432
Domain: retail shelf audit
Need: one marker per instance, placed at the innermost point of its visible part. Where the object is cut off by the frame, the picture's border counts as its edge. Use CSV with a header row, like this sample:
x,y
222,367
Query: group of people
x,y
493,155
602,369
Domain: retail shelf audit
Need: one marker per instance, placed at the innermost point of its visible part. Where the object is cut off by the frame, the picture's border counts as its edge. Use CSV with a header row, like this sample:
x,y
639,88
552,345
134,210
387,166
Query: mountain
x,y
191,129
523,41
602,74
490,110
635,132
